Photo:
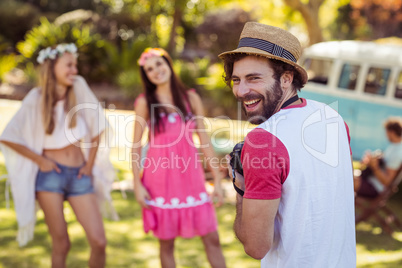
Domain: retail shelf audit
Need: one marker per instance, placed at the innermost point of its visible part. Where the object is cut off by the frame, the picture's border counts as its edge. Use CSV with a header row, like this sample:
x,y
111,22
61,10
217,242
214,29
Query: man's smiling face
x,y
255,87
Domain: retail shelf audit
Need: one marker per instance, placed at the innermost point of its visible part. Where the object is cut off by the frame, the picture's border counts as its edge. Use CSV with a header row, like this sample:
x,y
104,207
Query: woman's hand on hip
x,y
47,165
86,170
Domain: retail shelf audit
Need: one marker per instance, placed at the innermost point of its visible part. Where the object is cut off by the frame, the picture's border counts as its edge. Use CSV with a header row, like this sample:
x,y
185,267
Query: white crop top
x,y
62,135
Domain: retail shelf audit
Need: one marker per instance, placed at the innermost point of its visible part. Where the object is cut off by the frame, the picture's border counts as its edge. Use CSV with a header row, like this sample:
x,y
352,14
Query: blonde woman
x,y
50,147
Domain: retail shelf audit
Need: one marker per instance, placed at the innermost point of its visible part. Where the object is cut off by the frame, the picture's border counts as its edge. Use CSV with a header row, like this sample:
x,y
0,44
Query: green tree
x,y
310,13
169,23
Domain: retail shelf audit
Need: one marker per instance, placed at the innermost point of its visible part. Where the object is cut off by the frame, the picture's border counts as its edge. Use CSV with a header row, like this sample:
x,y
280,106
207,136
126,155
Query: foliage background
x,y
111,34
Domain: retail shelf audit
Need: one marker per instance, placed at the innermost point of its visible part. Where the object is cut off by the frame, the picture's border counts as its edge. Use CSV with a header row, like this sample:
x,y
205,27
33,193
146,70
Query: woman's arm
x,y
87,168
206,145
140,123
44,164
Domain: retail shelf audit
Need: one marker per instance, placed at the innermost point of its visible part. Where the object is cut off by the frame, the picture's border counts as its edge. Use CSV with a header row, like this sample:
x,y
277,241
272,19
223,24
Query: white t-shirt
x,y
393,156
62,134
302,156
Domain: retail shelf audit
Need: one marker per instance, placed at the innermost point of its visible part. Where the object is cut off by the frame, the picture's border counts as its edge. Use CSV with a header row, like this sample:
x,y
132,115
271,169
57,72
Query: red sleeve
x,y
265,161
347,131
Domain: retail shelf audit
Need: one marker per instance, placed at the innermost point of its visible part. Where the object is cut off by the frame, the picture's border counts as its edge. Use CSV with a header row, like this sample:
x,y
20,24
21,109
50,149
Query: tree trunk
x,y
177,18
310,13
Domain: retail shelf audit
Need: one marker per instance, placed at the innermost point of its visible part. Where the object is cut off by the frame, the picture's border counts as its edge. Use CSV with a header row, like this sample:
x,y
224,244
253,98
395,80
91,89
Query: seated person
x,y
381,169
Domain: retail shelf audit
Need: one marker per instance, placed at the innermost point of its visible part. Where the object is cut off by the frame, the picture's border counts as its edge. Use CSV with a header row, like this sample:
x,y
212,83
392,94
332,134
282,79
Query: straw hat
x,y
271,42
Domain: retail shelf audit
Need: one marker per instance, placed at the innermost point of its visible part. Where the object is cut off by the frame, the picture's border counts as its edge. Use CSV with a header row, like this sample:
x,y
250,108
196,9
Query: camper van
x,y
362,81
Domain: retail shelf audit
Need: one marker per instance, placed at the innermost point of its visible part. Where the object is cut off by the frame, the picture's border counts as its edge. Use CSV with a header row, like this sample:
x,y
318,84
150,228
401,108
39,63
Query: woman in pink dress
x,y
172,188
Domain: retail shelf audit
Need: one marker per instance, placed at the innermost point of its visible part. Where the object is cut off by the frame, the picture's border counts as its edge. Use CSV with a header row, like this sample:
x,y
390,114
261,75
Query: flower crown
x,y
52,53
149,53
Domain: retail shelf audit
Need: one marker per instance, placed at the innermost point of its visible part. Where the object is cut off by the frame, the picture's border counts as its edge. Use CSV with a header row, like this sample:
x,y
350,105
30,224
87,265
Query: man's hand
x,y
239,179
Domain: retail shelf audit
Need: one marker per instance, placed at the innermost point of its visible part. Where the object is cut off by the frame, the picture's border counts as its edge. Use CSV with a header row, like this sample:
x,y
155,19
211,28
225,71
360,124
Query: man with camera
x,y
295,206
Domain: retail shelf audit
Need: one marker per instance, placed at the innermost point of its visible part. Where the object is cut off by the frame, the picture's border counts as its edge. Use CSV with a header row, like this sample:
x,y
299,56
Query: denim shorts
x,y
66,182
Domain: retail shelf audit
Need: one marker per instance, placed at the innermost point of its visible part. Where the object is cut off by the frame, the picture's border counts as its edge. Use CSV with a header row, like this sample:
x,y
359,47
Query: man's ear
x,y
286,80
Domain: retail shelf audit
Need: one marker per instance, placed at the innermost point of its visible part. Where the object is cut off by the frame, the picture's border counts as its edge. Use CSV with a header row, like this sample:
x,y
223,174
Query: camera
x,y
235,161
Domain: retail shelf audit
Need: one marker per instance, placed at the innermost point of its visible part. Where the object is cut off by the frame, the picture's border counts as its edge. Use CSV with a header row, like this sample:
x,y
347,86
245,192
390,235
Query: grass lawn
x,y
128,246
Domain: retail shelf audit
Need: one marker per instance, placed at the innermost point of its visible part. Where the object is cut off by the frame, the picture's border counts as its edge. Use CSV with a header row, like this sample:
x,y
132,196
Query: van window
x,y
318,70
348,77
377,81
398,90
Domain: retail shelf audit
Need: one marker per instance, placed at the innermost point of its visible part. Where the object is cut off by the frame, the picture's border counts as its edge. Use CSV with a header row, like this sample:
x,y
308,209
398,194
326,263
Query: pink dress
x,y
174,177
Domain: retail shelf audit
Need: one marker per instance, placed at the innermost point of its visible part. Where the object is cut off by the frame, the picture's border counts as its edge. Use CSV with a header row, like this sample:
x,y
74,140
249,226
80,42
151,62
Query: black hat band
x,y
267,47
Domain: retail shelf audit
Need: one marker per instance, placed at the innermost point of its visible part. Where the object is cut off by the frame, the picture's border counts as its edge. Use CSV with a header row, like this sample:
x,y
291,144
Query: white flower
x,y
61,49
42,56
71,48
52,54
49,53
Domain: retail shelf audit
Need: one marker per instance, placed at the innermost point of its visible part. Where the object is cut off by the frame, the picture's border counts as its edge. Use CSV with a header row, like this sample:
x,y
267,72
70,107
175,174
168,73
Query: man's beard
x,y
270,102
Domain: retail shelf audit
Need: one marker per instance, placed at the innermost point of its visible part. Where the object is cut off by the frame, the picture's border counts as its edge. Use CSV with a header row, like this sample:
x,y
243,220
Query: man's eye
x,y
235,80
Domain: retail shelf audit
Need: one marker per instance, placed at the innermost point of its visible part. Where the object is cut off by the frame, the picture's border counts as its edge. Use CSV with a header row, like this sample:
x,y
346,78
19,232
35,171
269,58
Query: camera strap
x,y
238,190
290,101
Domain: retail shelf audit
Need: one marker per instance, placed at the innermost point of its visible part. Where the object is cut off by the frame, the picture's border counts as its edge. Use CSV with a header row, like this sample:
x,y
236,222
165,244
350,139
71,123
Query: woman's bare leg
x,y
52,206
214,250
167,253
87,212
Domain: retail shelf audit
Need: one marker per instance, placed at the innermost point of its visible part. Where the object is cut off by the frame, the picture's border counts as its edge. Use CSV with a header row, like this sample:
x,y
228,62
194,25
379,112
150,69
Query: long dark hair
x,y
177,88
